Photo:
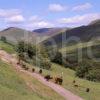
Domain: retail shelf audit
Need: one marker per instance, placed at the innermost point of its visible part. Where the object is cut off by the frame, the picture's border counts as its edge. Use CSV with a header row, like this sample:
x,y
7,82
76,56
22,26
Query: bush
x,y
82,70
88,72
93,75
3,38
43,62
28,53
42,58
26,48
57,58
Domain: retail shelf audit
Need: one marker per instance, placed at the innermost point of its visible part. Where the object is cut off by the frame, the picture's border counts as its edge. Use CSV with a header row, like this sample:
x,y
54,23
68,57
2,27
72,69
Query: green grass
x,y
13,86
7,47
43,92
69,76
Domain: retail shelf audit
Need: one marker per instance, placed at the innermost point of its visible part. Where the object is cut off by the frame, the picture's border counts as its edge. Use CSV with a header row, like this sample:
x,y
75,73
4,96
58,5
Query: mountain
x,y
95,22
78,34
45,33
16,34
48,31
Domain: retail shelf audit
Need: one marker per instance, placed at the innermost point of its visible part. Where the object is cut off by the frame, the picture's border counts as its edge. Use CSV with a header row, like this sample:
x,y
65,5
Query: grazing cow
x,y
40,71
87,89
74,81
58,80
76,85
48,77
33,70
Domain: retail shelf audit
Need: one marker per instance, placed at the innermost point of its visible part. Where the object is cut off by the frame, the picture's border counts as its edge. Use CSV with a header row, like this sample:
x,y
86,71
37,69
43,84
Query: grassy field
x,y
69,76
41,91
13,86
7,47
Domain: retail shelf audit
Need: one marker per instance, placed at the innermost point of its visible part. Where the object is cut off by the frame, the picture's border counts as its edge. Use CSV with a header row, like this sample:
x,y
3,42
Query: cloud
x,y
41,24
80,19
15,19
56,7
11,15
82,7
34,18
9,12
37,22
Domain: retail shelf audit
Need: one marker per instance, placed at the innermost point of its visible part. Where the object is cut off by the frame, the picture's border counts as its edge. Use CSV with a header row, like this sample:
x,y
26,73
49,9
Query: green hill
x,y
13,86
14,35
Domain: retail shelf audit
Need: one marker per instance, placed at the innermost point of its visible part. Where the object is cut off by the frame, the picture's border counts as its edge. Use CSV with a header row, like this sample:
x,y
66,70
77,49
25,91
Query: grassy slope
x,y
95,87
69,76
7,47
13,86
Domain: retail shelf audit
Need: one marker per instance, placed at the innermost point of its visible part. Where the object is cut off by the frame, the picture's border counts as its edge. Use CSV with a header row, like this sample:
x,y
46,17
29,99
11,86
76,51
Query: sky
x,y
33,14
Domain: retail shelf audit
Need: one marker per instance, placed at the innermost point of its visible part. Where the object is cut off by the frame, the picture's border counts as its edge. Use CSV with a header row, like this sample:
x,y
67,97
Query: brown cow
x,y
58,80
76,85
87,89
48,77
74,81
33,70
40,71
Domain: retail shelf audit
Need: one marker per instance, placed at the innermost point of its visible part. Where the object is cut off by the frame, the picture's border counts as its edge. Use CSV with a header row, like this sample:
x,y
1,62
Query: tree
x,y
42,58
26,48
57,58
21,47
93,75
20,57
3,38
20,50
82,70
31,51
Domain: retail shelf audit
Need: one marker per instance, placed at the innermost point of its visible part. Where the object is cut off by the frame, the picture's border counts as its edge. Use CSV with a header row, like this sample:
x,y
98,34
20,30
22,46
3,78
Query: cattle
x,y
48,77
76,85
40,71
87,89
33,70
58,80
74,81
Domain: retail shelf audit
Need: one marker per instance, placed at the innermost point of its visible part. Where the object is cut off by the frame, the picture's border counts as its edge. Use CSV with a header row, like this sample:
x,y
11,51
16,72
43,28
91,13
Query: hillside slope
x,y
14,35
19,86
82,33
45,33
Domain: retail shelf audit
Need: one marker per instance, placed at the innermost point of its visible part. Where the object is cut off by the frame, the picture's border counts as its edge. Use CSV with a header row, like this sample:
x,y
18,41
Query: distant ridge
x,y
14,34
48,31
95,22
84,33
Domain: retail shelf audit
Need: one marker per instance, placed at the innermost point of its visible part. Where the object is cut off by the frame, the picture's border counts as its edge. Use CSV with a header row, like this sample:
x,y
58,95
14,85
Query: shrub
x,y
82,70
3,38
57,58
43,62
93,75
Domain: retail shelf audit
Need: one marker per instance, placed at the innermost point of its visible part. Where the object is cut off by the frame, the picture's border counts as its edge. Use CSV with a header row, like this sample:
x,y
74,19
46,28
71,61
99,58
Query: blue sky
x,y
31,14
